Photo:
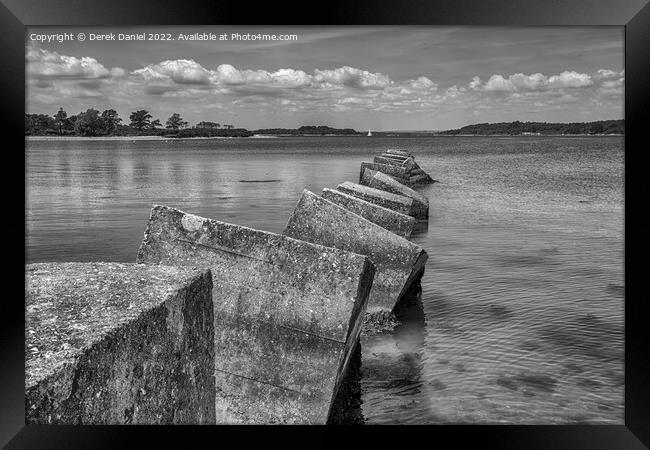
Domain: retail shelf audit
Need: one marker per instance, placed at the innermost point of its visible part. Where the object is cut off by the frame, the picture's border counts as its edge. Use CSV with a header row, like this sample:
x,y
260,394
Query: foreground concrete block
x,y
110,343
287,314
399,173
378,180
398,261
378,197
398,223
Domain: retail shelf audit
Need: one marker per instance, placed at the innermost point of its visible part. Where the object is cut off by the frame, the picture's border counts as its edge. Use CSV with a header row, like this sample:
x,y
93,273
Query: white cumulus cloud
x,y
520,82
44,64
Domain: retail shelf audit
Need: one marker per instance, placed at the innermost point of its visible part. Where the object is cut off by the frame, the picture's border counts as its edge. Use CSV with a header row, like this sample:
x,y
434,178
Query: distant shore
x,y
270,136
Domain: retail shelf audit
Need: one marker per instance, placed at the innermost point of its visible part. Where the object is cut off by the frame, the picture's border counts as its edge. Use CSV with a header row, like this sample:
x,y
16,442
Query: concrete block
x,y
378,180
110,343
396,259
400,152
287,314
417,175
399,173
407,163
378,197
420,179
394,157
398,223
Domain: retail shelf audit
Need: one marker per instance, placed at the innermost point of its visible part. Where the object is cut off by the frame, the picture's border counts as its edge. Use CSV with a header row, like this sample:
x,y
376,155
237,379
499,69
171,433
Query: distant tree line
x,y
308,130
108,123
519,128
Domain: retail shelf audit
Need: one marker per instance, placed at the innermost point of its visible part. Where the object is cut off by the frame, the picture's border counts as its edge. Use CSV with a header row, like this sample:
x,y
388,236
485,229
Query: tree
x,y
60,119
89,123
597,128
140,119
228,127
207,125
175,122
110,120
155,124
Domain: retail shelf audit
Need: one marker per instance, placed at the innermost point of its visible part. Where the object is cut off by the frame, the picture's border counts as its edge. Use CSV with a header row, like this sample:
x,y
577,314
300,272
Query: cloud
x,y
610,79
351,77
520,82
570,79
44,64
187,85
181,71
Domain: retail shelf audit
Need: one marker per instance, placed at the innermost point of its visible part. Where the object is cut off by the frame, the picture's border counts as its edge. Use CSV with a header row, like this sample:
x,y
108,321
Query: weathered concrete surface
x,y
417,176
398,158
399,173
420,179
407,163
347,404
110,343
378,197
378,180
398,223
396,259
287,314
400,152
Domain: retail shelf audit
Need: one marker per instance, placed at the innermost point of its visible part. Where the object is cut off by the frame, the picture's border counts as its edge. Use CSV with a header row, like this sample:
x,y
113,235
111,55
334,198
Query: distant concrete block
x,y
420,179
397,260
398,203
417,176
398,223
400,152
408,163
393,157
378,180
287,314
110,343
399,173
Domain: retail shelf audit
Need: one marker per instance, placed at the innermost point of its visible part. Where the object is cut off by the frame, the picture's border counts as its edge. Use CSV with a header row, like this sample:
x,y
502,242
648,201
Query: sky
x,y
366,78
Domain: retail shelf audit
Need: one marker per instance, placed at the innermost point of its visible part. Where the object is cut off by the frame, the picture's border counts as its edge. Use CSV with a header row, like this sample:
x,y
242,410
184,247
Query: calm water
x,y
522,299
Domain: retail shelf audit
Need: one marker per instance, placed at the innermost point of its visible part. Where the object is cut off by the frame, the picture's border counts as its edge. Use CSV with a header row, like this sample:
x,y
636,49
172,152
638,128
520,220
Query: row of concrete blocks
x,y
219,323
400,165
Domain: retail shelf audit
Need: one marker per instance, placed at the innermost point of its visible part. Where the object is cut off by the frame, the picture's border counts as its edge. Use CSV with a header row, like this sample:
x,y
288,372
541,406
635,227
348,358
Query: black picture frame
x,y
634,15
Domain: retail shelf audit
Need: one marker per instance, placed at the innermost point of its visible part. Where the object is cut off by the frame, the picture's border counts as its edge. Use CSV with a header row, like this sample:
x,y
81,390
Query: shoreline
x,y
272,136
96,138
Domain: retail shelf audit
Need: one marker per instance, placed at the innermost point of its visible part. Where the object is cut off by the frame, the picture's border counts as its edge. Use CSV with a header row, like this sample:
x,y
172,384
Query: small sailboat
x,y
369,133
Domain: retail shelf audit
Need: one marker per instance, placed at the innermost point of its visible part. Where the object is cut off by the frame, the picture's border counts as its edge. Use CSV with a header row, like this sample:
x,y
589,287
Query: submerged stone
x,y
110,343
397,260
398,223
378,197
287,314
378,180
